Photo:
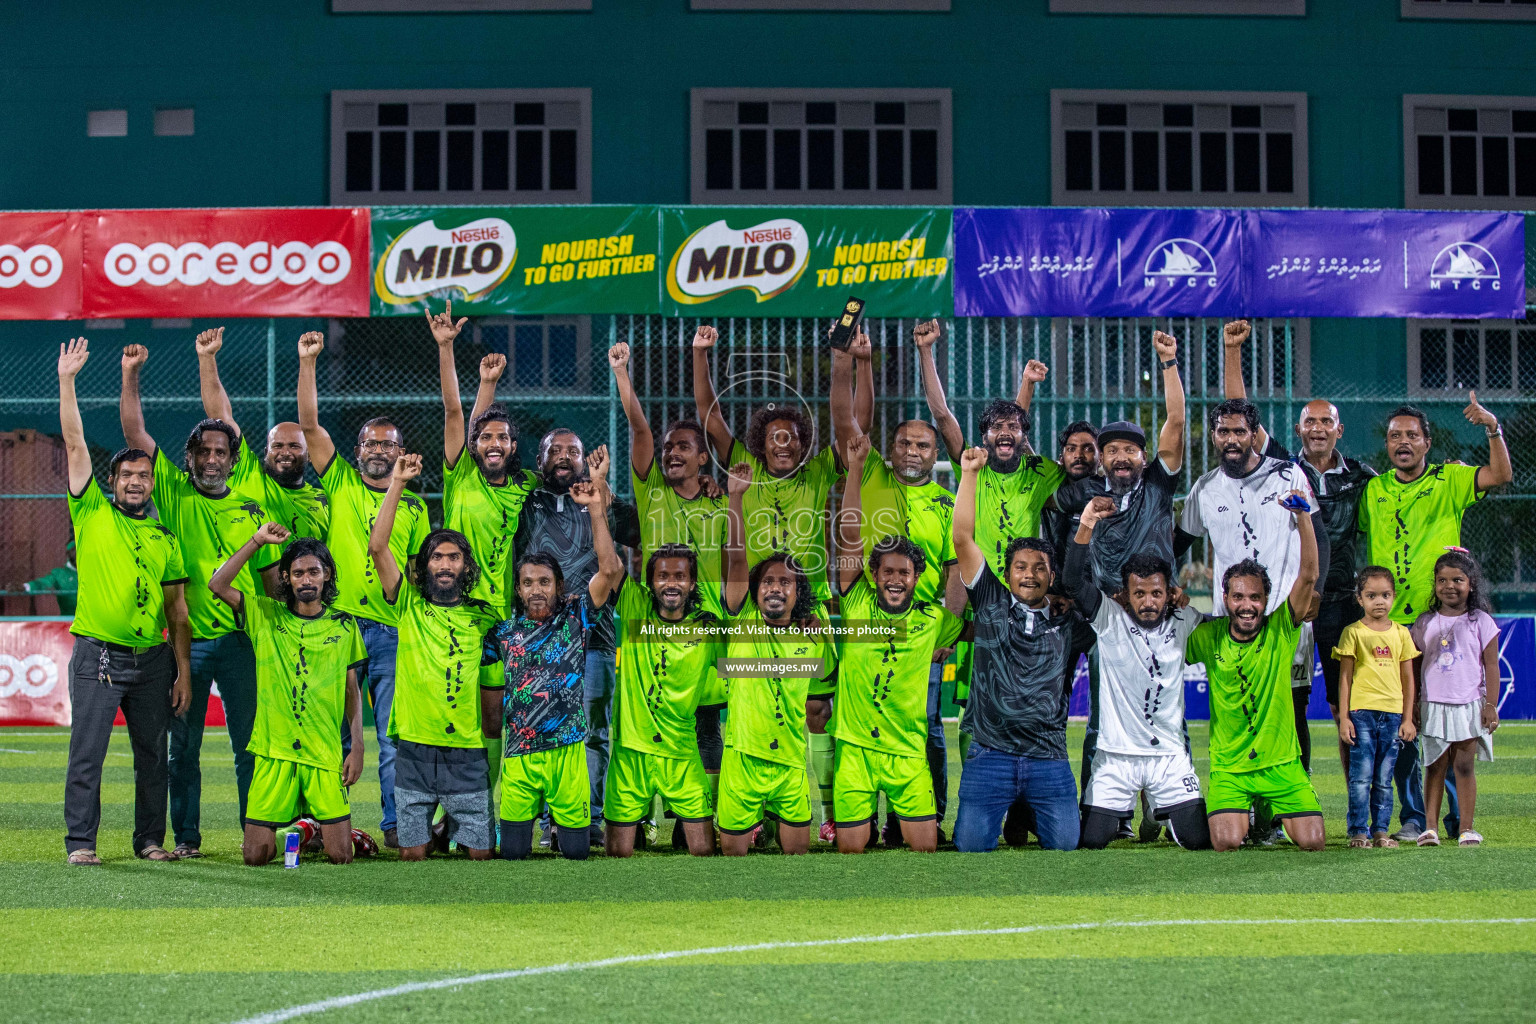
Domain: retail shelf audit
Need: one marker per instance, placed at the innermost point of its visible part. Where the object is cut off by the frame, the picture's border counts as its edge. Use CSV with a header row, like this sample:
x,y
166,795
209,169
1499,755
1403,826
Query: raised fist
x,y
407,468
492,366
926,333
1035,371
271,533
973,460
597,462
1097,509
209,342
1166,345
738,478
705,337
858,451
618,356
1236,332
134,356
311,343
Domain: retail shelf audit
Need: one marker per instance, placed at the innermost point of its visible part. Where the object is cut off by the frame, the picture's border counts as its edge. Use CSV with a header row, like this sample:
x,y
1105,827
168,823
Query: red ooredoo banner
x,y
39,266
34,673
183,263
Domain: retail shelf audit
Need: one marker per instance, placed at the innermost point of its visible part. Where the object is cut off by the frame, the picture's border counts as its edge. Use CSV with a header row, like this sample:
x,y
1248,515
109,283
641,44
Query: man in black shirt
x,y
1337,483
1017,712
553,524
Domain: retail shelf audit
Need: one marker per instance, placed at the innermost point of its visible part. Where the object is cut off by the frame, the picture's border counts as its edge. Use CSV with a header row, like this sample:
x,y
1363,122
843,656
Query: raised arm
x,y
321,450
864,381
215,398
129,409
1077,574
407,468
1170,440
1233,336
967,554
925,335
1303,591
642,443
738,479
222,582
444,331
1034,373
1498,471
850,542
844,426
492,366
704,397
610,569
72,359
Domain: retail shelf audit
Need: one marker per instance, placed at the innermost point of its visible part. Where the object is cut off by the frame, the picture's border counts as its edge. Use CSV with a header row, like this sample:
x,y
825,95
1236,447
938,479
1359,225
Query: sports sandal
x,y
157,853
186,851
1469,837
1428,837
84,858
1382,841
1359,842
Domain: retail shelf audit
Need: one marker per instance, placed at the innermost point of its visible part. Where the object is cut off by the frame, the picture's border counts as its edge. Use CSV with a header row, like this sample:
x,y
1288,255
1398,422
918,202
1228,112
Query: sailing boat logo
x,y
1464,263
1180,260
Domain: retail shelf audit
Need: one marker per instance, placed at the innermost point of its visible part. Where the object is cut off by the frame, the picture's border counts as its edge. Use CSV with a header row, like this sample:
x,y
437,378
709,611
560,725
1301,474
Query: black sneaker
x,y
390,840
679,837
890,835
595,838
439,841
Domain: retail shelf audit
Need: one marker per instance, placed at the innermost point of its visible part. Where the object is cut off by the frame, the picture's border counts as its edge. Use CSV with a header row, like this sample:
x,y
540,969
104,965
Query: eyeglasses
x,y
379,446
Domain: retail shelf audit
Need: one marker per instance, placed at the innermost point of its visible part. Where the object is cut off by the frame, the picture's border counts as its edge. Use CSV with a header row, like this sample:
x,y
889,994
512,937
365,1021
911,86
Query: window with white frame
x,y
1477,10
861,146
1248,8
1497,358
1119,148
461,146
548,353
1469,151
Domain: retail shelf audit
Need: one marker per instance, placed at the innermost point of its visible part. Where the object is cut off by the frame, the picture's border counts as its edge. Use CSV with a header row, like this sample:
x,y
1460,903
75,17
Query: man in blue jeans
x,y
1017,711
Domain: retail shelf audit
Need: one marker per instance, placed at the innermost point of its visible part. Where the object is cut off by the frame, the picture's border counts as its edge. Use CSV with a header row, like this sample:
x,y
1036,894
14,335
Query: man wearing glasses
x,y
355,495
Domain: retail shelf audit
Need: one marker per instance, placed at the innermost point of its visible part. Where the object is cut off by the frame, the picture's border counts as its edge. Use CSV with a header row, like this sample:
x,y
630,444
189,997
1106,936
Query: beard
x,y
1005,465
558,478
1235,464
287,476
439,592
1121,486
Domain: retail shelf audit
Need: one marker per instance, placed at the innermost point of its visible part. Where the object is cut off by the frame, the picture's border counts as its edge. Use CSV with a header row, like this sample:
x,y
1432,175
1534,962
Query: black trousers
x,y
103,679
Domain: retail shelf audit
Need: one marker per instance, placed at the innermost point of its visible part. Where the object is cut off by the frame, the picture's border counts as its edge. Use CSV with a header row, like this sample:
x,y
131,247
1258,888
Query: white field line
x,y
341,1002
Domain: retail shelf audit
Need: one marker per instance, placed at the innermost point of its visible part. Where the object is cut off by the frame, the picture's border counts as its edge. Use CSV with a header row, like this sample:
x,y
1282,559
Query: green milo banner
x,y
515,259
805,260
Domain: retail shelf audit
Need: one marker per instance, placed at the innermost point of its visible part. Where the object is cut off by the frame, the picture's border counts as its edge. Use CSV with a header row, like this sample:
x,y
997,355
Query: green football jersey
x,y
1408,526
767,717
124,561
882,688
1253,722
210,531
1008,505
667,518
659,676
63,582
303,509
923,514
354,507
437,670
488,516
790,514
301,681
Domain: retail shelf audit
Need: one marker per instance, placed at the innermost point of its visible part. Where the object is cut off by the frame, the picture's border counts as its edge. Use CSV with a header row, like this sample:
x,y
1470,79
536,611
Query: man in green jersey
x,y
1409,517
785,510
211,520
307,659
62,581
434,719
670,644
677,503
276,479
355,497
881,717
783,658
903,500
133,577
1247,656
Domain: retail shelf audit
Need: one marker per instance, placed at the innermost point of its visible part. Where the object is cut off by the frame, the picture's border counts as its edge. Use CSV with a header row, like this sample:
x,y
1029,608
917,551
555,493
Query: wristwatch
x,y
1168,363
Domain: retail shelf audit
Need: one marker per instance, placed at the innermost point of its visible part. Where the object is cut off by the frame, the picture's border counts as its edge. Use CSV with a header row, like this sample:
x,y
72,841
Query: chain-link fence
x,y
557,374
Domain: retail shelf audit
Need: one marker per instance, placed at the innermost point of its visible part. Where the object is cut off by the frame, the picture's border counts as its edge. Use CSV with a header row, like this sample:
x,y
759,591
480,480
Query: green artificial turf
x,y
212,940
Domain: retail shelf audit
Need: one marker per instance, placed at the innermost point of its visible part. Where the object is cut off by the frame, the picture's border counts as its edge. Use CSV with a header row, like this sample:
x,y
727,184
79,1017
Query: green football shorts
x,y
635,776
862,774
558,777
752,789
282,790
1285,787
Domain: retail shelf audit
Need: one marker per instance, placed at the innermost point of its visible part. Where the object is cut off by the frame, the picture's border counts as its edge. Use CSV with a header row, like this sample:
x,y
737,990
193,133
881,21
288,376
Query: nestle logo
x,y
476,235
767,235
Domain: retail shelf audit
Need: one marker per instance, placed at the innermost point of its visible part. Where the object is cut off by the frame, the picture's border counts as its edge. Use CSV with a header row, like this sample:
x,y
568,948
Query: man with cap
x,y
1142,493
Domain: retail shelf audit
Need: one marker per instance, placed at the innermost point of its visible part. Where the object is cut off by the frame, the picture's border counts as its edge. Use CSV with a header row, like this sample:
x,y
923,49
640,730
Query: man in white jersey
x,y
1238,504
1141,695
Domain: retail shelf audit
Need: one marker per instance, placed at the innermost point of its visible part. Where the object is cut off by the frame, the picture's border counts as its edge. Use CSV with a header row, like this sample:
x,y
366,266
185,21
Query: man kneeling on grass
x,y
435,718
1247,657
307,657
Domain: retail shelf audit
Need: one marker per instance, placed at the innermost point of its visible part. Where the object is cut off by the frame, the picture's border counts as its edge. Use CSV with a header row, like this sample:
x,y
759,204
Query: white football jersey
x,y
1141,680
1245,519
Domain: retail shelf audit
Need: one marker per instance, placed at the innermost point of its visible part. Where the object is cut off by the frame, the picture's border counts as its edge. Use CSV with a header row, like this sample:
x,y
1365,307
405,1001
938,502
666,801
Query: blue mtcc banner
x,y
1229,263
